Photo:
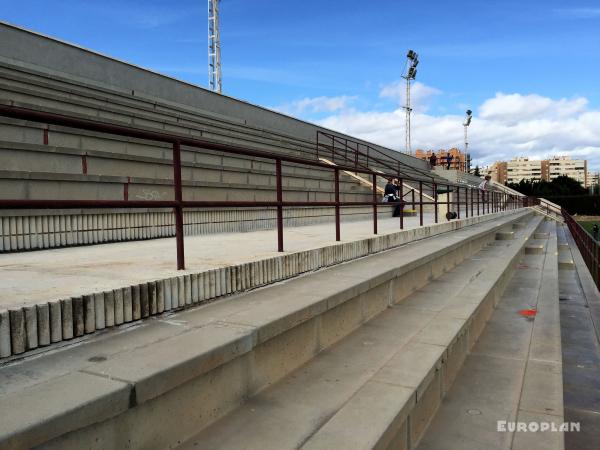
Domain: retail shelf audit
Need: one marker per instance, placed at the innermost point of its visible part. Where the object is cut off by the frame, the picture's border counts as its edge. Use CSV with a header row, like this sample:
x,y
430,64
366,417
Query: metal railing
x,y
472,202
362,155
588,246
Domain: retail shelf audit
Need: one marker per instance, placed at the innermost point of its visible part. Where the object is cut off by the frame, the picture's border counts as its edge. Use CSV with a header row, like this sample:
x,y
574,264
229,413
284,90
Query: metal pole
x,y
279,207
435,199
458,201
467,202
421,203
337,204
401,182
178,210
447,198
374,204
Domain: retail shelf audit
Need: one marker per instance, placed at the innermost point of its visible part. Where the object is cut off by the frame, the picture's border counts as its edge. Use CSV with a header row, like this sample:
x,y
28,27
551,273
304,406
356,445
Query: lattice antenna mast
x,y
214,47
411,74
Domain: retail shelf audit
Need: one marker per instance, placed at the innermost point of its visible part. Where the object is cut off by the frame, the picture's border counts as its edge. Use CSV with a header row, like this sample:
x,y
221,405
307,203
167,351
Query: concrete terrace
x,y
32,277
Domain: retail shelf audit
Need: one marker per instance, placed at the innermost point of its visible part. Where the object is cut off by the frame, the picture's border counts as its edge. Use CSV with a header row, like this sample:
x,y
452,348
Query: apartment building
x,y
523,168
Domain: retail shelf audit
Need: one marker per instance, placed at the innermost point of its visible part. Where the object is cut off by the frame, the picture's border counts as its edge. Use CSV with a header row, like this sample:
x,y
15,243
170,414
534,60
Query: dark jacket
x,y
390,189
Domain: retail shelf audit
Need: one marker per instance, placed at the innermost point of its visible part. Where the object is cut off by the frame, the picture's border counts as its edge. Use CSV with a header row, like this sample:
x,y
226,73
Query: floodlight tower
x,y
214,47
466,124
410,74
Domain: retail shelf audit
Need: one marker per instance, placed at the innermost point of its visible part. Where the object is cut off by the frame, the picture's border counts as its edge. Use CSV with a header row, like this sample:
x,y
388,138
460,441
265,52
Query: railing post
x,y
458,201
421,203
374,204
472,212
412,192
178,210
447,198
279,205
401,183
435,200
467,202
337,203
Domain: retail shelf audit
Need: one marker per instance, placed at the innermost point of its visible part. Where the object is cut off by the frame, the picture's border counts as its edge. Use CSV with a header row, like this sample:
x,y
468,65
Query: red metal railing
x,y
494,201
588,246
350,151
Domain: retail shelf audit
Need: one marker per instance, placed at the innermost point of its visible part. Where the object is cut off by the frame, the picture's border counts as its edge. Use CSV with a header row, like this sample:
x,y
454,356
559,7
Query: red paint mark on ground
x,y
528,312
522,266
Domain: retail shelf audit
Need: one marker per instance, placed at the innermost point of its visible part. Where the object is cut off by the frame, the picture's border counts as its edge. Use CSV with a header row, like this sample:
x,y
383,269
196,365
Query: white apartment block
x,y
523,168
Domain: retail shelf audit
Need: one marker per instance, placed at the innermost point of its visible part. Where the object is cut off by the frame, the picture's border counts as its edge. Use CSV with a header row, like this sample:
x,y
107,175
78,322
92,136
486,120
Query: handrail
x,y
392,163
493,200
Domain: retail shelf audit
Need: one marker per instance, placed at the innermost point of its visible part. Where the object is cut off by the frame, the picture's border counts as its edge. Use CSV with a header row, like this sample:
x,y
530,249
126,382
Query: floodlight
x,y
411,55
468,118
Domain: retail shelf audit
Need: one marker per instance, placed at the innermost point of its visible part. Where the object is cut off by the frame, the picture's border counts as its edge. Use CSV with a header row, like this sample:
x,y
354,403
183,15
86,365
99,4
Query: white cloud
x,y
316,105
420,94
514,108
545,127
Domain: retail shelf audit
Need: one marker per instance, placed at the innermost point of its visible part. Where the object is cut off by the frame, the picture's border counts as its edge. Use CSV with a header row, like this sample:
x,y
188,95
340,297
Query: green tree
x,y
562,185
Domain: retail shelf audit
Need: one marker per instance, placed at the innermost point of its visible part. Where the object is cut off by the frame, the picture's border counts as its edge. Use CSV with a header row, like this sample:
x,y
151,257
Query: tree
x,y
562,185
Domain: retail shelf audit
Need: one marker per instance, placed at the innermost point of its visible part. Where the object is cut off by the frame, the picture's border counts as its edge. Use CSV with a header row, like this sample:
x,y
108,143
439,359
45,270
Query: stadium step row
x,y
157,386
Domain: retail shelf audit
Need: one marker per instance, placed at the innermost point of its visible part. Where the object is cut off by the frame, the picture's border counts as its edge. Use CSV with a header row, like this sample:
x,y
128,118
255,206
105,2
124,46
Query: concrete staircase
x,y
357,355
380,386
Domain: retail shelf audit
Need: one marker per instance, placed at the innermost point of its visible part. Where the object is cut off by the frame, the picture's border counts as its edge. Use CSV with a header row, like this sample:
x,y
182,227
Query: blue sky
x,y
339,62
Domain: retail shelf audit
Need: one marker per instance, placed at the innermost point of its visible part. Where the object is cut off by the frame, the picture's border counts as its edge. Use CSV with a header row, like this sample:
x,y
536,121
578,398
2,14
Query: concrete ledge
x,y
51,409
245,333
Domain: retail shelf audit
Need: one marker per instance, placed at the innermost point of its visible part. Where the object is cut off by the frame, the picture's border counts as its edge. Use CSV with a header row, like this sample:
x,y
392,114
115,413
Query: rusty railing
x,y
588,246
488,201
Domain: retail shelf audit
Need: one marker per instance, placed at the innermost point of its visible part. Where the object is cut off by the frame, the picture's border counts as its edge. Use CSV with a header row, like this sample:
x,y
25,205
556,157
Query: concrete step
x,y
378,387
580,322
514,372
159,386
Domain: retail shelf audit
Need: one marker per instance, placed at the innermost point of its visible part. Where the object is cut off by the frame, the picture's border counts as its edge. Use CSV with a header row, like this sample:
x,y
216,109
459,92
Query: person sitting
x,y
390,193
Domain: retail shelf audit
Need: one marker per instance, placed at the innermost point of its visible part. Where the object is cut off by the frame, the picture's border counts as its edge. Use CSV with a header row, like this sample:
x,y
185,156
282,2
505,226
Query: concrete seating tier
x,y
514,371
158,385
46,319
29,87
117,168
580,322
380,386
